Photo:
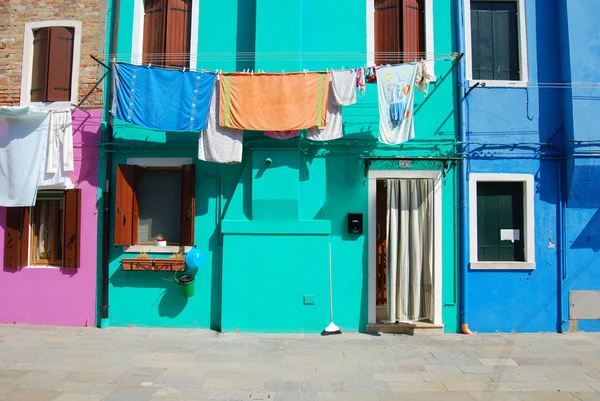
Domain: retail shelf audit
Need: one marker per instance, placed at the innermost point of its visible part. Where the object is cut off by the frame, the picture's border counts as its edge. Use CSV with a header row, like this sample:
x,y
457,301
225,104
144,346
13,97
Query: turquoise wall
x,y
267,229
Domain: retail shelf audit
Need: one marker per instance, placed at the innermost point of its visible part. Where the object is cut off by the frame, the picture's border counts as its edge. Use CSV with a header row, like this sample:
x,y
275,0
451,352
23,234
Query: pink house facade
x,y
49,295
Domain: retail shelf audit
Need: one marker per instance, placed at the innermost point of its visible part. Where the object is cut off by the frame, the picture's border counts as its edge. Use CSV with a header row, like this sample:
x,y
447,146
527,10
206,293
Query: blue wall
x,y
506,126
563,46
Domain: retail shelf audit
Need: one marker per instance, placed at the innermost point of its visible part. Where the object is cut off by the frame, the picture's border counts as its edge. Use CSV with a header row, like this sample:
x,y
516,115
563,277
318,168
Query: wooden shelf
x,y
154,265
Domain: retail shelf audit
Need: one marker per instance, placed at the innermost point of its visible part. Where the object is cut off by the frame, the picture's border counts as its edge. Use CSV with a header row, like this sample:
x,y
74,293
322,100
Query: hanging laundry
x,y
396,101
273,102
344,87
334,129
361,85
57,156
23,137
219,144
371,75
423,78
60,142
283,134
162,99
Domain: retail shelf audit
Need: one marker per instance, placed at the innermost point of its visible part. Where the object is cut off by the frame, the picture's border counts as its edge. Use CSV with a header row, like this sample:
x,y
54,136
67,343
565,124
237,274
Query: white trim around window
x,y
429,35
528,223
27,70
523,54
137,43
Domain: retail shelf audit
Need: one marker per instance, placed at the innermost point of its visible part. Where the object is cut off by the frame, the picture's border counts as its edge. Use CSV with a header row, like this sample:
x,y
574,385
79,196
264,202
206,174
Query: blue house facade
x,y
530,201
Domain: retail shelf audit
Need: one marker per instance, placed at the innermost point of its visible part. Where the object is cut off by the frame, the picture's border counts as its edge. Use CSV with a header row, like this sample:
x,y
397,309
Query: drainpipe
x,y
464,188
111,23
562,238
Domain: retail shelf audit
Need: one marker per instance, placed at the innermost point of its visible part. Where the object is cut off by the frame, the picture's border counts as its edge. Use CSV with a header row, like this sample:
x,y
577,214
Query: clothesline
x,y
160,58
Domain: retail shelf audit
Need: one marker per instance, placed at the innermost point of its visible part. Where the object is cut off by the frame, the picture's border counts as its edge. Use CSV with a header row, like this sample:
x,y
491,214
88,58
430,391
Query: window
x,y
496,40
152,202
46,234
51,54
502,221
52,64
167,33
399,27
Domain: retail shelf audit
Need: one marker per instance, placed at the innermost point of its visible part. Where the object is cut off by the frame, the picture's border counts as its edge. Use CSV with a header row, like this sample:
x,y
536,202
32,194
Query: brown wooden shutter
x,y
387,31
72,224
136,205
154,31
60,64
124,205
16,237
188,204
39,80
179,21
413,30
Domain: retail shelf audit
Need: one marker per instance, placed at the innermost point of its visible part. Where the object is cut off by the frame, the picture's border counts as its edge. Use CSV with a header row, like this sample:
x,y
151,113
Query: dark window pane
x,y
500,207
159,200
495,40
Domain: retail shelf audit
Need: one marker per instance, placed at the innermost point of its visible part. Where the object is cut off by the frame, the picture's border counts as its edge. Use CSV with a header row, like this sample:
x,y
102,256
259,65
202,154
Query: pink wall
x,y
55,296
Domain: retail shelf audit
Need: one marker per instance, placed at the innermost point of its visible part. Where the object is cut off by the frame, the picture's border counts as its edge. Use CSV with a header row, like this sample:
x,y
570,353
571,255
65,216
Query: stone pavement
x,y
50,363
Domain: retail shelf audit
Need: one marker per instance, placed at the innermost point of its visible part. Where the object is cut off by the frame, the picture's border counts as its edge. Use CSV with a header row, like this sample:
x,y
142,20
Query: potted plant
x,y
160,241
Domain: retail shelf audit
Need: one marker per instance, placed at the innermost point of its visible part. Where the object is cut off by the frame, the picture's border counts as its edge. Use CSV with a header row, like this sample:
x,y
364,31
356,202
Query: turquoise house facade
x,y
266,228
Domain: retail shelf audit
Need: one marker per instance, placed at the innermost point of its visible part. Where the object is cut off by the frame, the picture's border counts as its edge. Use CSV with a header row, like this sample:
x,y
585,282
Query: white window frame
x,y
436,176
523,54
528,221
137,43
429,35
27,69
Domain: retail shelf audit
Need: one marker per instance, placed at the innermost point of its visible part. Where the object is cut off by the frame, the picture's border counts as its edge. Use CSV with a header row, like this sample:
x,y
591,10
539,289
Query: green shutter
x,y
499,207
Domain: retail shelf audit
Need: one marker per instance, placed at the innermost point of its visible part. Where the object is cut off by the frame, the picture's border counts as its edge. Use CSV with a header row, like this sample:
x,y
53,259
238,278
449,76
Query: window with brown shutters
x,y
399,31
72,224
143,214
167,29
16,236
46,234
52,64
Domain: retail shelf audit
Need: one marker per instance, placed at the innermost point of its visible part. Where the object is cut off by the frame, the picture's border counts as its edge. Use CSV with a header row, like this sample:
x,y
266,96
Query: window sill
x,y
47,106
502,265
148,264
156,249
497,84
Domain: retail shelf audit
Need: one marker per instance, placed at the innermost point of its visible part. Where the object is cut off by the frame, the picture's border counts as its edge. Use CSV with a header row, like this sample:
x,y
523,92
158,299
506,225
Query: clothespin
x,y
184,69
252,72
114,59
149,64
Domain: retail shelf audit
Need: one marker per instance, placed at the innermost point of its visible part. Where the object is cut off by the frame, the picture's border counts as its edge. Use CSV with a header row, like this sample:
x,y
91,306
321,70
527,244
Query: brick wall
x,y
16,13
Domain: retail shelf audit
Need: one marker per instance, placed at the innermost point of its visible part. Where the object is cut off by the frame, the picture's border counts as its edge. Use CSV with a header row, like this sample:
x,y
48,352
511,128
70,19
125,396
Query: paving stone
x,y
498,362
518,377
442,377
322,386
426,396
587,396
555,396
546,361
417,387
28,395
489,396
79,397
295,396
399,377
346,396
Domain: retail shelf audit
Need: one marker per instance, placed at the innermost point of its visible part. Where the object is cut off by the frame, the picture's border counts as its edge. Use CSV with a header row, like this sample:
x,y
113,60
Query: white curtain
x,y
410,250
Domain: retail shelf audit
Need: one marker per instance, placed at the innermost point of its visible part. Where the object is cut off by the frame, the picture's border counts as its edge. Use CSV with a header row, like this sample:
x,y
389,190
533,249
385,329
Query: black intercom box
x,y
355,223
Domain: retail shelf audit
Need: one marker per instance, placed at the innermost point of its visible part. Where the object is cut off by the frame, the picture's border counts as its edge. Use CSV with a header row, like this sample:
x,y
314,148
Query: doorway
x,y
404,247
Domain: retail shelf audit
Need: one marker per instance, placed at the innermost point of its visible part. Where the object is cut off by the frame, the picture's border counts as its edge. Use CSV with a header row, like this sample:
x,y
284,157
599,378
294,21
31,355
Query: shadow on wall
x,y
346,190
171,303
246,35
589,238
